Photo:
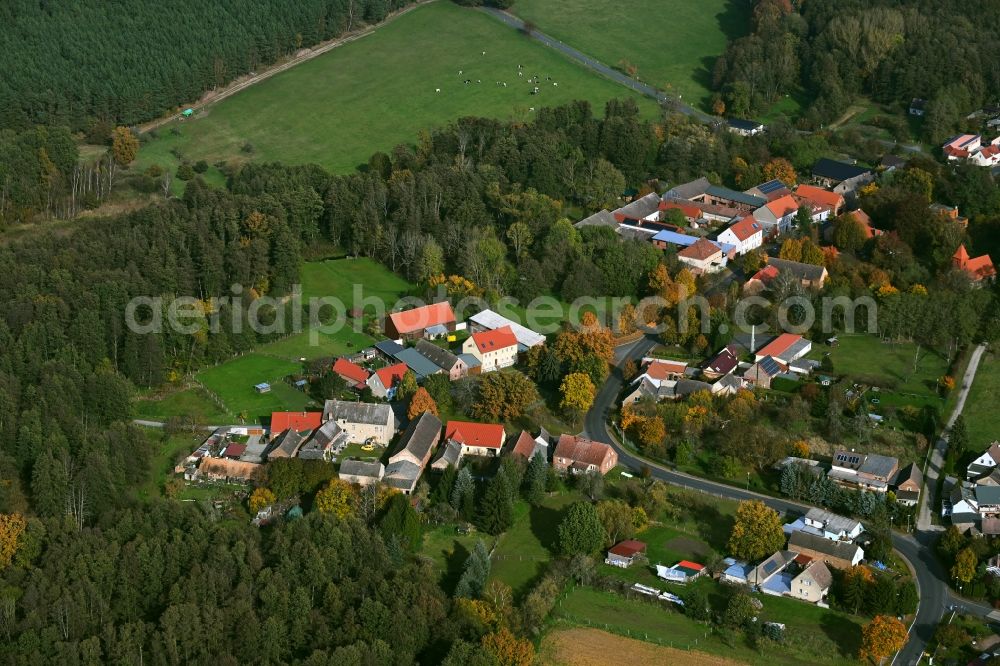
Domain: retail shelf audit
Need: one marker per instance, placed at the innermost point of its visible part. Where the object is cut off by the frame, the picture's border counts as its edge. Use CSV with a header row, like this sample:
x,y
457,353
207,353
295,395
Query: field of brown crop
x,y
593,647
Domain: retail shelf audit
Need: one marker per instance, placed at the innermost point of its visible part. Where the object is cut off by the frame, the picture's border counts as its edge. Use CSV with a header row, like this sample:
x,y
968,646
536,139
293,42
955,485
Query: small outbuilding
x,y
625,554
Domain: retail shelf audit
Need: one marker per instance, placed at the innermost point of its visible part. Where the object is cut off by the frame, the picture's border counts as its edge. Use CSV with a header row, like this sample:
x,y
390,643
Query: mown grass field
x,y
234,383
866,356
337,278
191,402
672,43
982,418
338,108
813,635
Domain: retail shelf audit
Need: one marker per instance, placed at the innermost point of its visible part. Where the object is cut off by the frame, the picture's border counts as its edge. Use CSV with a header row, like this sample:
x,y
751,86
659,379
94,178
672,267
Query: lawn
x,y
981,414
234,383
340,278
344,342
447,550
379,91
167,450
528,545
672,43
813,635
866,357
190,403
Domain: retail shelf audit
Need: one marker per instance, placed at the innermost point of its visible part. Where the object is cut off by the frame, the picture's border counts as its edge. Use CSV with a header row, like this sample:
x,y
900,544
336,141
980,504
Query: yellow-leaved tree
x,y
421,402
12,526
337,497
881,638
757,531
261,498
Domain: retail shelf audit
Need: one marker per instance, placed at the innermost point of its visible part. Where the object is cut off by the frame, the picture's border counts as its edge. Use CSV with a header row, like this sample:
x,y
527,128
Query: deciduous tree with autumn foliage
x,y
881,638
421,402
757,531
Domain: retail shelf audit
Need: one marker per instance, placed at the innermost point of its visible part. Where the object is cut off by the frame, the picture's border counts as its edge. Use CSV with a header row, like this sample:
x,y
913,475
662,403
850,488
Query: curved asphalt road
x,y
917,550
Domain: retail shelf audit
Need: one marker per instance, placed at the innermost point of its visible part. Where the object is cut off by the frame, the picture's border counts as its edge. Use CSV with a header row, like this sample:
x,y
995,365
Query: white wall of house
x,y
359,433
742,247
495,359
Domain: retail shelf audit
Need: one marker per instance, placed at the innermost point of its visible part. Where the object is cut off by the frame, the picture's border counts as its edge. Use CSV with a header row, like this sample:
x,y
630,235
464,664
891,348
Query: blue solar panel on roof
x,y
770,186
770,566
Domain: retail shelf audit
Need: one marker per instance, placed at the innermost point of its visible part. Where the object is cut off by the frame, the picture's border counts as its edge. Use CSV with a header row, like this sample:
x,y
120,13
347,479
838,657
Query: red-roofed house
x,y
703,256
625,553
493,349
786,348
297,421
477,439
659,370
821,197
384,380
690,211
970,147
759,281
528,447
777,216
412,324
579,455
978,268
351,372
745,234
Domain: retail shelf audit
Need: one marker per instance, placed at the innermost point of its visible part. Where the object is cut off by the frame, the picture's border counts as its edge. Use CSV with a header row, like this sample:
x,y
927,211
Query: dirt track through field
x,y
301,56
593,647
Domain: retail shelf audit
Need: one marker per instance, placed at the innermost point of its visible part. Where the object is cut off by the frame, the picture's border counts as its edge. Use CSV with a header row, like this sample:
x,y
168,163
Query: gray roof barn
x,y
802,271
602,218
688,191
371,469
418,363
357,412
440,357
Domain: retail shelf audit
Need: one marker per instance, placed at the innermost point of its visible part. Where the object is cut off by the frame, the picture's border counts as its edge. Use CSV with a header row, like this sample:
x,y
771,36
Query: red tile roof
x,y
978,268
779,345
783,206
802,559
582,450
745,228
423,317
689,211
628,548
700,250
820,196
688,564
499,338
524,446
766,274
299,421
353,373
485,435
391,374
663,369
235,450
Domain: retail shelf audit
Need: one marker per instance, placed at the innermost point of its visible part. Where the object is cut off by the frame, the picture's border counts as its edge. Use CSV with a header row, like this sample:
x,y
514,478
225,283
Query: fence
x,y
630,633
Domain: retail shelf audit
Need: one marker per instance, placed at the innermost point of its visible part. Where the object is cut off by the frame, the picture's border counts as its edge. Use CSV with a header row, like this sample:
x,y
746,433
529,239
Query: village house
x,y
580,455
723,363
723,196
762,574
643,209
837,554
421,366
364,422
778,216
984,464
449,454
476,439
727,385
488,320
744,127
785,348
361,472
736,572
763,372
970,147
447,362
655,375
863,471
625,553
827,525
979,269
703,256
494,349
527,447
666,238
690,211
353,374
949,213
840,177
813,583
325,441
810,276
415,448
285,445
689,191
833,202
383,382
746,234
434,320
909,481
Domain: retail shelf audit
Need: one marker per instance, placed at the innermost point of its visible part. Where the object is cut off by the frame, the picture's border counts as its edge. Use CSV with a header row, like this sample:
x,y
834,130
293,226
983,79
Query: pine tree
x,y
535,477
474,573
496,512
463,494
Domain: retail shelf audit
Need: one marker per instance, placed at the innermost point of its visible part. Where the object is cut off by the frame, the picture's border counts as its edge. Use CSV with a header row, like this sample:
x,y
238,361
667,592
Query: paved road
x,y
936,462
917,550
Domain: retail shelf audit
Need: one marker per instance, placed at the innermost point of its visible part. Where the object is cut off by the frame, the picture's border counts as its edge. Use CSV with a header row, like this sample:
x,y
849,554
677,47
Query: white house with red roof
x,y
703,256
476,439
745,234
979,269
786,348
970,147
383,381
351,372
494,349
777,216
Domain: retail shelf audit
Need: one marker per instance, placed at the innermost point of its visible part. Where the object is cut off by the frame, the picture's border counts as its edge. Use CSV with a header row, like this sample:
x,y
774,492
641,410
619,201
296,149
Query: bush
x,y
185,172
247,148
201,166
